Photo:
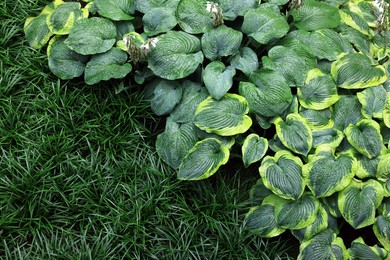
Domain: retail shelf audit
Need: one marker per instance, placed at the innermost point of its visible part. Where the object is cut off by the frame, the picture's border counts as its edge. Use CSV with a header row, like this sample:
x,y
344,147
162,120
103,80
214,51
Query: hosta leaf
x,y
359,250
358,39
203,160
382,231
253,149
327,174
383,170
159,20
319,91
329,136
245,60
276,145
117,10
63,62
144,6
289,64
270,94
297,214
320,224
61,20
218,79
227,141
37,32
366,167
193,94
174,144
261,221
283,175
313,15
294,133
109,65
164,95
193,16
331,204
176,55
232,8
373,101
265,23
358,202
317,119
355,71
122,28
226,117
354,19
324,245
365,137
221,42
346,111
386,112
91,36
258,192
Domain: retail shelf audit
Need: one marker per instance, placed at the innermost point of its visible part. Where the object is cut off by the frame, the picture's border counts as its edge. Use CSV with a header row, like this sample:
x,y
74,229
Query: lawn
x,y
80,177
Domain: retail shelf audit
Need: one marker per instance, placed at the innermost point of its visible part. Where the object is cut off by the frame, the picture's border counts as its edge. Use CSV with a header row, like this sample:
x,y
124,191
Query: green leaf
x,y
61,20
226,117
288,63
193,94
117,10
383,169
373,101
331,203
37,31
245,60
359,250
253,149
346,111
122,28
317,119
358,39
227,141
297,214
258,192
164,95
294,133
203,160
220,42
358,201
366,167
159,20
282,174
63,62
365,137
174,144
329,136
232,8
313,15
270,95
91,36
382,231
265,23
355,71
324,245
105,66
144,6
319,91
193,16
218,79
386,112
351,15
176,55
261,221
327,174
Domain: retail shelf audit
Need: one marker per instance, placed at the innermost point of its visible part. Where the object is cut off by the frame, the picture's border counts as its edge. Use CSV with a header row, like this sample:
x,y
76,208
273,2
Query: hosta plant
x,y
300,90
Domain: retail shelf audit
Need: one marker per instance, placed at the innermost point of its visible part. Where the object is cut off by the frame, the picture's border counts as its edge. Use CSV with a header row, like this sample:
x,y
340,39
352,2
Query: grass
x,y
80,178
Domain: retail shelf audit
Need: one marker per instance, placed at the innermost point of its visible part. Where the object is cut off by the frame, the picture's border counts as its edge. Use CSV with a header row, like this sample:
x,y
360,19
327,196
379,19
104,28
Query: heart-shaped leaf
x,y
218,79
193,16
176,55
63,62
294,133
358,201
382,230
117,10
352,16
383,169
366,167
283,175
259,192
373,101
359,250
203,160
91,36
245,60
365,137
159,20
329,136
265,23
358,39
226,117
317,119
174,144
37,31
253,149
144,6
346,111
355,71
61,20
232,8
319,91
109,65
327,174
386,112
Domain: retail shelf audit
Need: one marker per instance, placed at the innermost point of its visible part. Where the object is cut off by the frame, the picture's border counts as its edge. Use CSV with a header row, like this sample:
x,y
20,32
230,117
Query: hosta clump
x,y
314,74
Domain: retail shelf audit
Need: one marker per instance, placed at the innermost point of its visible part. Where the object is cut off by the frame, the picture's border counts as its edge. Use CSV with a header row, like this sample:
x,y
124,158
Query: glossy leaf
x,y
346,111
373,101
37,32
226,117
203,160
359,250
253,149
159,20
218,79
245,60
117,10
193,16
176,55
382,230
294,133
283,175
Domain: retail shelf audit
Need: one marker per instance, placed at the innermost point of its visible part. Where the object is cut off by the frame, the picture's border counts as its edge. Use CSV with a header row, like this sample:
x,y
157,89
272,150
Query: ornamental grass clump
x,y
300,89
